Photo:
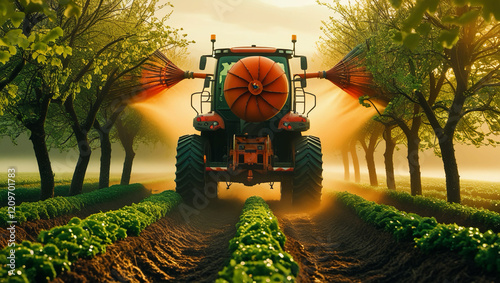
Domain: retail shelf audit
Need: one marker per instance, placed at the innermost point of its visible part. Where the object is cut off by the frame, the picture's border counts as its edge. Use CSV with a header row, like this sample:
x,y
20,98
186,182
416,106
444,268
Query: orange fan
x,y
350,74
256,88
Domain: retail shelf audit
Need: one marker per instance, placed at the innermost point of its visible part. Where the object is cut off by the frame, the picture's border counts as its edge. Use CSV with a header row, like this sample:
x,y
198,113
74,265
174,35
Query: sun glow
x,y
290,3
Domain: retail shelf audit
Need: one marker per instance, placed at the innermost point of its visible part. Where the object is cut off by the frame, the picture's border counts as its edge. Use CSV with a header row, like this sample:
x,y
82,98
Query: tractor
x,y
251,115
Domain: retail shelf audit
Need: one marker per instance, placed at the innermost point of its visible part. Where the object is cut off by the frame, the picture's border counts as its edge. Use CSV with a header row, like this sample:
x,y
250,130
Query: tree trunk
x,y
369,153
413,151
105,162
127,166
445,137
414,165
390,145
345,160
37,138
82,164
81,135
126,137
105,155
355,162
370,162
451,170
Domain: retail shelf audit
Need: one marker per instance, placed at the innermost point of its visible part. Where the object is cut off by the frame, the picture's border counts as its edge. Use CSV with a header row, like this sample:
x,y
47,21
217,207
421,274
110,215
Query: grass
x,y
28,185
32,179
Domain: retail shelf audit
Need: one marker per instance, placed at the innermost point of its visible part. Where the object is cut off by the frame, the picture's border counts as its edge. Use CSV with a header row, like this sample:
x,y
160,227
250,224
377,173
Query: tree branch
x,y
13,74
473,89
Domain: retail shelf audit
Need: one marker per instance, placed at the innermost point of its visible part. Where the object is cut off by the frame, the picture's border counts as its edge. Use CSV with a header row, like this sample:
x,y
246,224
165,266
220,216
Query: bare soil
x,y
334,245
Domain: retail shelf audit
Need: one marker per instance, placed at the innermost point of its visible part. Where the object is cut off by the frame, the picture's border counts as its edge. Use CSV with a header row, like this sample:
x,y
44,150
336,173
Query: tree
x,y
388,62
369,137
390,145
127,130
31,56
470,49
447,69
104,55
375,22
350,147
131,131
355,160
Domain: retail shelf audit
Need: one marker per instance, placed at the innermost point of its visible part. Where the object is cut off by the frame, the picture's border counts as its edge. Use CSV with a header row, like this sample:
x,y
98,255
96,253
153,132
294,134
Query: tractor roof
x,y
253,50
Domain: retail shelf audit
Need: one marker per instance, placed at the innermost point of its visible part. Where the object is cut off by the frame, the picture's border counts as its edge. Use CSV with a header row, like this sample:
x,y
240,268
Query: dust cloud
x,y
170,111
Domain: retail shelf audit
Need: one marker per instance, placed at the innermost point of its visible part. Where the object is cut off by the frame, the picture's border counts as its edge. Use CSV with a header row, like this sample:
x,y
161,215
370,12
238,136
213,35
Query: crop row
x,y
473,200
257,250
484,217
57,206
62,245
470,188
427,234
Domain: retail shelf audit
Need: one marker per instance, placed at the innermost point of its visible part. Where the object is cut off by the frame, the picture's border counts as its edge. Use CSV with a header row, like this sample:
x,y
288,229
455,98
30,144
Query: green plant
x,y
487,218
427,234
50,208
86,238
258,248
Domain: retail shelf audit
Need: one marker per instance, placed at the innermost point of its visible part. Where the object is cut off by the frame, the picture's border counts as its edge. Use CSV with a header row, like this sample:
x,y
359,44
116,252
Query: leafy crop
x,y
258,248
427,234
84,238
50,208
39,263
489,219
437,205
403,225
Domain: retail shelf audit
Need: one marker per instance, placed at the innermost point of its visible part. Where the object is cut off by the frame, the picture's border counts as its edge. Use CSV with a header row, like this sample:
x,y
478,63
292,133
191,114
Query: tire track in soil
x,y
170,250
335,245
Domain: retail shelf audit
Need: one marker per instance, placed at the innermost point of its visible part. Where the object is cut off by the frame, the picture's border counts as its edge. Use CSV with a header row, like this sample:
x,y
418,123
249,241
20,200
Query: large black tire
x,y
190,167
308,171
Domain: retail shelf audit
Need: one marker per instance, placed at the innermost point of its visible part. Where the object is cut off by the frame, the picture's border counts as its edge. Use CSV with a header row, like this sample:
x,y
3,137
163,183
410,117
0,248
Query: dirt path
x,y
334,245
170,250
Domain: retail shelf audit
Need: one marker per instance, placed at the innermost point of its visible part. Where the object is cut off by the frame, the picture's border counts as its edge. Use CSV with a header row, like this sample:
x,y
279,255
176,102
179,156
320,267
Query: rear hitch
x,y
250,175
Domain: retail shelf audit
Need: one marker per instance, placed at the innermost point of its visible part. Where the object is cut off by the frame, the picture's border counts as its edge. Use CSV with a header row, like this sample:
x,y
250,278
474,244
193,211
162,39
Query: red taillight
x,y
211,127
289,127
198,119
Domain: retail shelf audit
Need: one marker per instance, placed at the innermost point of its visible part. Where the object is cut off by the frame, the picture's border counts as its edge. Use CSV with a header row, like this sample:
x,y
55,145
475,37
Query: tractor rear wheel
x,y
308,171
190,167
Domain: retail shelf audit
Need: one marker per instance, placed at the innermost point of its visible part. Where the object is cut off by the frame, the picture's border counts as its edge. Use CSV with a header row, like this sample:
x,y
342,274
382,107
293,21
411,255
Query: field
x,y
160,239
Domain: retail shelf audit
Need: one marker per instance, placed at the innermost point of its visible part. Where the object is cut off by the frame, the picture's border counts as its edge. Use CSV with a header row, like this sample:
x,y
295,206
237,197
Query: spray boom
x,y
350,74
159,74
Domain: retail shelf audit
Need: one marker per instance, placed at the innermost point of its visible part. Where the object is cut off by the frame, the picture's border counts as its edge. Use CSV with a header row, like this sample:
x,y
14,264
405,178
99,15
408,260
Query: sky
x,y
243,23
